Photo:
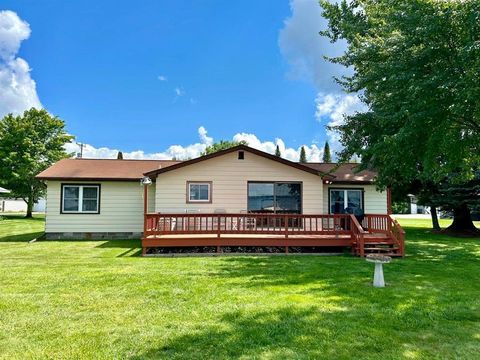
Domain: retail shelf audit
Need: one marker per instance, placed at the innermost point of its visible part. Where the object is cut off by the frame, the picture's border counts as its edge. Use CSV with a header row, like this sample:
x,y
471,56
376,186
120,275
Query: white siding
x,y
375,201
229,178
121,209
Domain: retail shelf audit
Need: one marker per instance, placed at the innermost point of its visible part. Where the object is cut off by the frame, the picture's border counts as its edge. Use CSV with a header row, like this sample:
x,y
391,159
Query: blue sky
x,y
147,75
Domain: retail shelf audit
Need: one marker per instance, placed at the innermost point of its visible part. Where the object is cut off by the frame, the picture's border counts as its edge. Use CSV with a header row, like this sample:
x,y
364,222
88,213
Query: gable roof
x,y
345,173
101,169
265,155
134,170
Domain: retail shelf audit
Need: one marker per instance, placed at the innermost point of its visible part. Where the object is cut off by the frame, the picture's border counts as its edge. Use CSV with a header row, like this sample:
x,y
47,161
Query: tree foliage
x,y
120,155
303,155
416,66
277,151
222,145
327,156
29,144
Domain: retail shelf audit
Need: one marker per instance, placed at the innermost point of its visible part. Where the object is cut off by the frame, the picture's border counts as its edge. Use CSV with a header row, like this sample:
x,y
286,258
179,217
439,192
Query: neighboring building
x,y
415,207
18,205
90,198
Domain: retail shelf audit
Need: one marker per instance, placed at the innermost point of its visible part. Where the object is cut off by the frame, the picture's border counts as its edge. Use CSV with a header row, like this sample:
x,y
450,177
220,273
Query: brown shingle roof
x,y
101,169
133,170
345,173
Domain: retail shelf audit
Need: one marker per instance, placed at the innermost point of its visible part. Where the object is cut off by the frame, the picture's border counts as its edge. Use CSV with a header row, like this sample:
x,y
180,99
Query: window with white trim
x,y
82,199
199,192
346,201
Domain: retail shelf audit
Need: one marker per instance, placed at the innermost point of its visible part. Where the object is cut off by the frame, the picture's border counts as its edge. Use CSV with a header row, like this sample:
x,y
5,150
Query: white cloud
x,y
175,151
314,154
331,110
303,48
180,152
179,91
17,88
162,78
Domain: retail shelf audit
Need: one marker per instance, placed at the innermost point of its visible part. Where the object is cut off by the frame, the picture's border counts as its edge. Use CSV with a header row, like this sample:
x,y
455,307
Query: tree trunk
x,y
435,224
462,222
29,207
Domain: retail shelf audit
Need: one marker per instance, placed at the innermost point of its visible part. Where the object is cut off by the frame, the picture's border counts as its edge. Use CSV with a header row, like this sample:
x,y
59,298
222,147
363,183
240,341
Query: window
x,y
275,197
348,201
199,192
84,199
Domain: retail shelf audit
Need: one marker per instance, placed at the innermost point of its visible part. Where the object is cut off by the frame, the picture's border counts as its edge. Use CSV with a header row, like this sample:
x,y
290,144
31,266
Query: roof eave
x,y
298,166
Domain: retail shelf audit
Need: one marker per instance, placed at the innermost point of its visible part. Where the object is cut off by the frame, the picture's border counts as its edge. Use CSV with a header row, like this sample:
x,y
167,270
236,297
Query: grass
x,y
99,299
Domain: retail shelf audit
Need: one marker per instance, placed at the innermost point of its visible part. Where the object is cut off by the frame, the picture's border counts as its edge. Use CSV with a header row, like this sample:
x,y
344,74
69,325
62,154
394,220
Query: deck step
x,y
379,243
382,248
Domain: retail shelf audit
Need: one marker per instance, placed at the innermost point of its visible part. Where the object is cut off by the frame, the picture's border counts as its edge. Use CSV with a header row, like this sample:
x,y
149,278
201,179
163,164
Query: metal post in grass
x,y
378,260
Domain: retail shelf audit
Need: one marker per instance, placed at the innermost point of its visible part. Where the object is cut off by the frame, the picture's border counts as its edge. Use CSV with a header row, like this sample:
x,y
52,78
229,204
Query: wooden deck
x,y
377,233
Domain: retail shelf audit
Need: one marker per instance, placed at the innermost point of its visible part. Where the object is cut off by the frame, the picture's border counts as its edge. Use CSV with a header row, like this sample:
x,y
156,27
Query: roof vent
x,y
241,155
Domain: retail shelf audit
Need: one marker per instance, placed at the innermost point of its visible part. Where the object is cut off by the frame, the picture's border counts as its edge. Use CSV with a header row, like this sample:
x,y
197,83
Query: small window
x,y
199,192
241,155
347,201
82,199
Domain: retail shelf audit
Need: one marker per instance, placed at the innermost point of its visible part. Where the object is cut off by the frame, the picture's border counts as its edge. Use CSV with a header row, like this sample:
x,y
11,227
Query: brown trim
x,y
87,179
230,150
62,185
351,182
210,192
343,188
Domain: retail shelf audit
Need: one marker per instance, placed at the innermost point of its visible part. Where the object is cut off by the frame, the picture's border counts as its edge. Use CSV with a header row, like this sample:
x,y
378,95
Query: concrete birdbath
x,y
378,260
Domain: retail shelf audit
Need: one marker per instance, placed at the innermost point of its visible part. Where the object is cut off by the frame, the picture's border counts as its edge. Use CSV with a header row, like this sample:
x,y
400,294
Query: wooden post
x,y
145,210
389,201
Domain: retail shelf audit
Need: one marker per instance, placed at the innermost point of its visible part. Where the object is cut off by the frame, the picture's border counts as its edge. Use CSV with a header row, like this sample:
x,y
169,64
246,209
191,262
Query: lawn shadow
x,y
133,247
287,332
22,237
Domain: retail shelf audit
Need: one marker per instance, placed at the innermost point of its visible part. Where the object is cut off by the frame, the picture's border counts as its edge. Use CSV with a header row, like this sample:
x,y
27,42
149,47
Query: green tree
x,y
120,155
222,145
416,66
303,155
277,151
29,144
327,156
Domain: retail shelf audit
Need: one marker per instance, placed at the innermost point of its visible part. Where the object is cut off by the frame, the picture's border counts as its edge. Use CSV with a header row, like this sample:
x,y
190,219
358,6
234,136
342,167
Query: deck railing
x,y
251,223
385,224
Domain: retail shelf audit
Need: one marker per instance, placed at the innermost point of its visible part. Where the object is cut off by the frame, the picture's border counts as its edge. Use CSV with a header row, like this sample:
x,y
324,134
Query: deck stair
x,y
380,235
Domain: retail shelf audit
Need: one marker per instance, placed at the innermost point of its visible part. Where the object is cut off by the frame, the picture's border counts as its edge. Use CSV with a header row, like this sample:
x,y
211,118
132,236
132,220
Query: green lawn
x,y
99,299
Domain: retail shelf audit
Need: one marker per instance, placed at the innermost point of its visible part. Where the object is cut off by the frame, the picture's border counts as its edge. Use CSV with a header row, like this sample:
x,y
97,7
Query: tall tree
x,y
277,151
222,145
120,155
29,144
416,65
303,155
327,156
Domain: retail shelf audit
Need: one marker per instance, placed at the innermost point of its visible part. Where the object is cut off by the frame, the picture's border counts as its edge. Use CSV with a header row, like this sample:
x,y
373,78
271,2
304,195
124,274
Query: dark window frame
x,y
62,191
362,190
274,196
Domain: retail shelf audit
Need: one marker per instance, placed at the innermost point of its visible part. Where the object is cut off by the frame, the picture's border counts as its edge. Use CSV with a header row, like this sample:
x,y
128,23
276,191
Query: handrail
x,y
358,236
247,223
388,225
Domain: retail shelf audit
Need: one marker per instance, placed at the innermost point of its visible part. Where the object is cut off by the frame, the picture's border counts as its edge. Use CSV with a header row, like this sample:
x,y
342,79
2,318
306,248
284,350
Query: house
x,y
9,204
239,196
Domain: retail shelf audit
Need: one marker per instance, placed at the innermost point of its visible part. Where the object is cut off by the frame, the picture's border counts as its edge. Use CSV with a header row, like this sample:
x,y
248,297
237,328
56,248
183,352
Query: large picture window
x,y
199,192
275,197
83,199
349,201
